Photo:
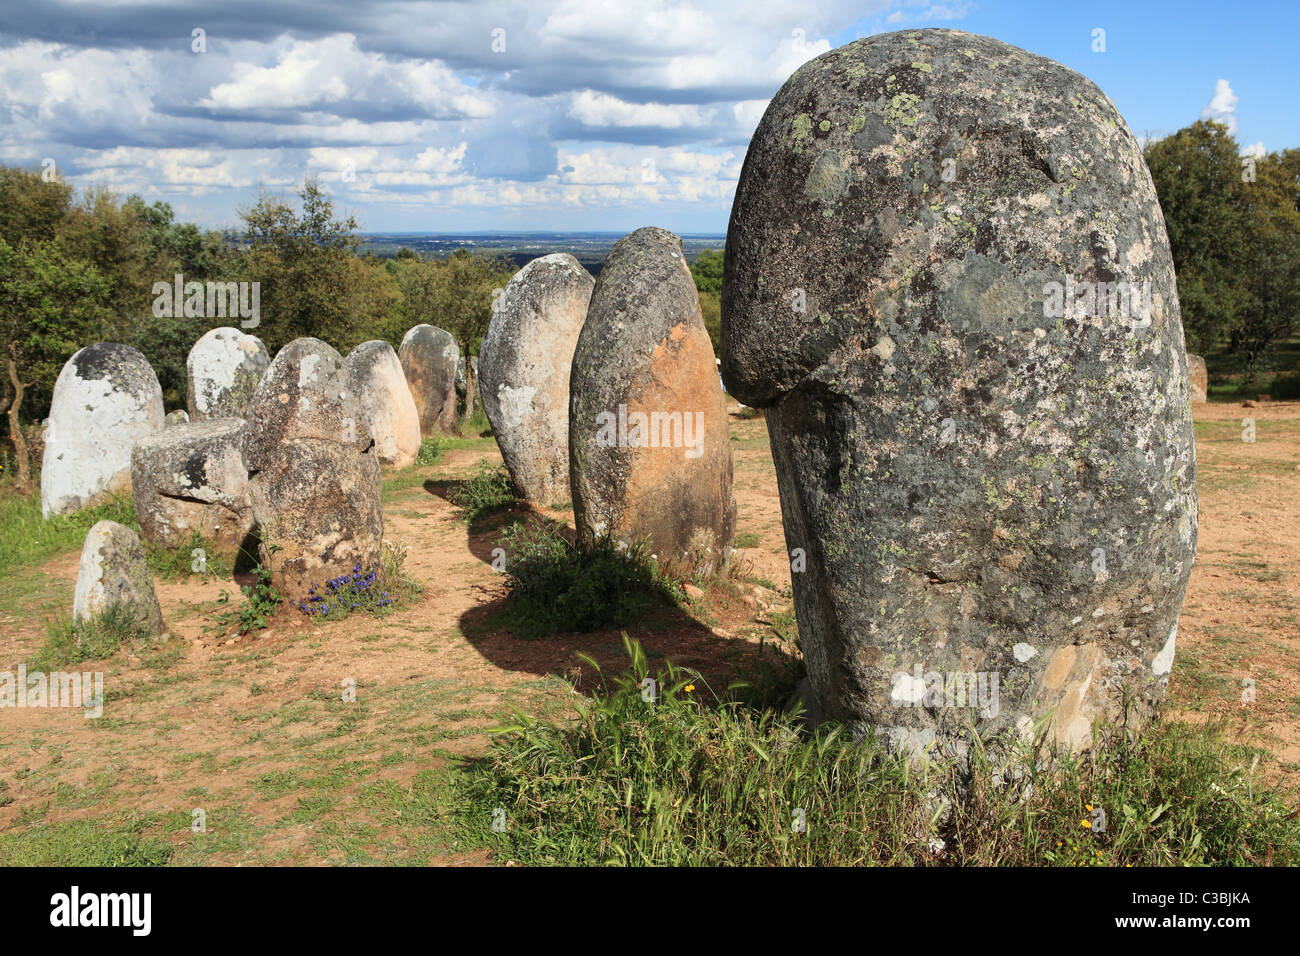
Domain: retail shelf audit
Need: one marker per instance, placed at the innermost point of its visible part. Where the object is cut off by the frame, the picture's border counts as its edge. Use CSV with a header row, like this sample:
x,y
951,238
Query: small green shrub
x,y
431,450
71,642
1285,386
556,586
254,612
486,492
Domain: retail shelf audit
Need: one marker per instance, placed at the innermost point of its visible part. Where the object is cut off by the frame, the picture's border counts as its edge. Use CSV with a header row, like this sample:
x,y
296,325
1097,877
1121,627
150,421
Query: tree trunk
x,y
16,428
471,390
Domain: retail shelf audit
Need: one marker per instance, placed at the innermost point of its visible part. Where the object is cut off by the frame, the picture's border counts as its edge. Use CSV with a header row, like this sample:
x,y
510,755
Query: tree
x,y
304,264
49,305
707,271
455,294
1197,175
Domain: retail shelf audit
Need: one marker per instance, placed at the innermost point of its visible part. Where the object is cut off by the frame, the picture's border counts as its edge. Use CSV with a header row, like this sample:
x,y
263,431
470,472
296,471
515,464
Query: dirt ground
x,y
254,730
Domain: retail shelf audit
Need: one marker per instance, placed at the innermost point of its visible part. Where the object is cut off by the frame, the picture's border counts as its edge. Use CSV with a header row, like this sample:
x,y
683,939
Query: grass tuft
x,y
670,774
89,639
556,586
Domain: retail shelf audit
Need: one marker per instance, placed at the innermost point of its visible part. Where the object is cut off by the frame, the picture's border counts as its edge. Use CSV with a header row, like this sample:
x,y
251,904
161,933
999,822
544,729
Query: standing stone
x,y
191,478
649,447
176,417
526,355
429,356
224,368
387,407
106,398
978,484
1198,378
314,478
114,572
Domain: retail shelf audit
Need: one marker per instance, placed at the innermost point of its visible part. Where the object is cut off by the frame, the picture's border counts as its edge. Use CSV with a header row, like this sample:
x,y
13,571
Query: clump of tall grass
x,y
667,773
69,641
557,586
486,492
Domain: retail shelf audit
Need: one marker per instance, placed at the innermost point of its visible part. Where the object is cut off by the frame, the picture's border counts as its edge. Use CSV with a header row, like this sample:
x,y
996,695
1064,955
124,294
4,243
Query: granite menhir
x,y
949,286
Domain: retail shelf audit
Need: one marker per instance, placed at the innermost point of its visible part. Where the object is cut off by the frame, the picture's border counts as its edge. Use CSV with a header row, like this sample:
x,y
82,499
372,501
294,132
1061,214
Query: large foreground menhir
x,y
949,284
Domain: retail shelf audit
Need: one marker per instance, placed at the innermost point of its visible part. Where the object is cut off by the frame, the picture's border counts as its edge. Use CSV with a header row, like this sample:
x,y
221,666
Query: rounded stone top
x,y
123,367
930,179
306,393
427,335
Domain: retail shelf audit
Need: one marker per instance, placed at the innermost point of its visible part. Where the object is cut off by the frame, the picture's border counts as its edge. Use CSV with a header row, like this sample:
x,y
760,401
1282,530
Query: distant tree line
x,y
81,269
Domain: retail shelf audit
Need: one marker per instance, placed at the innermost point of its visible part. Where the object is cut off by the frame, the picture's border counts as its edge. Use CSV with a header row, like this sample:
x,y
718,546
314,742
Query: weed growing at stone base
x,y
27,538
556,586
670,774
378,591
71,642
177,564
261,600
487,491
431,450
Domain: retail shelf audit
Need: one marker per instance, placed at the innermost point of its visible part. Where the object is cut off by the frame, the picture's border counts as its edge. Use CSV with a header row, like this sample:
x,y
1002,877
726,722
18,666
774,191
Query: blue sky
x,y
437,115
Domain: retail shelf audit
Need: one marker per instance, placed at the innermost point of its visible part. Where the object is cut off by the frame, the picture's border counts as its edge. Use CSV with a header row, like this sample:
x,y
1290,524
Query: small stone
x,y
115,573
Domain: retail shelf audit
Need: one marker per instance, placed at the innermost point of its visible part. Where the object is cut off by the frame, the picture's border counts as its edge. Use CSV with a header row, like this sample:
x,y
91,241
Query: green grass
x,y
746,540
692,779
85,842
26,538
486,492
71,642
556,586
177,564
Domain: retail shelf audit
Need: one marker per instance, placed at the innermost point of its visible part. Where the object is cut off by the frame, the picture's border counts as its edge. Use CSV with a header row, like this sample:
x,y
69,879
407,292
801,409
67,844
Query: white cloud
x,y
601,109
332,72
406,107
1257,150
1222,107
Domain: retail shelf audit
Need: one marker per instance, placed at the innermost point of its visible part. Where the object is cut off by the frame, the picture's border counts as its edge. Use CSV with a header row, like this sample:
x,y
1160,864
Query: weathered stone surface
x,y
177,417
649,447
387,407
979,489
190,478
526,356
314,479
114,571
224,367
429,356
1198,378
105,399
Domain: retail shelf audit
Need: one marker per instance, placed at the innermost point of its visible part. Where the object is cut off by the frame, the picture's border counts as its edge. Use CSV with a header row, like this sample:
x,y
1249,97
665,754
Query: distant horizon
x,y
532,232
